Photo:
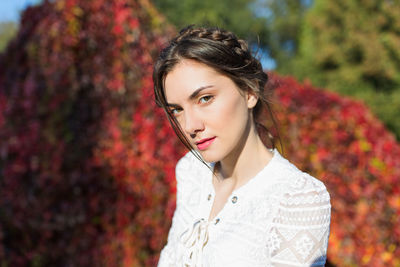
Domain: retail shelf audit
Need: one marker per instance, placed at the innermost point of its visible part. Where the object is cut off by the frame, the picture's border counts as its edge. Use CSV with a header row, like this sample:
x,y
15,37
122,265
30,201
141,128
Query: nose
x,y
192,123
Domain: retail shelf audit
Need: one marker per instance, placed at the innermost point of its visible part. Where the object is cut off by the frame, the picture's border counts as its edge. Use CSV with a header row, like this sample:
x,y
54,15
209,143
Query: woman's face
x,y
213,113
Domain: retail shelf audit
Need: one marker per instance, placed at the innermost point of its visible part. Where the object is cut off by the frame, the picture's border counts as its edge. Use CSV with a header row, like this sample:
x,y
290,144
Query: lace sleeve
x,y
168,257
300,231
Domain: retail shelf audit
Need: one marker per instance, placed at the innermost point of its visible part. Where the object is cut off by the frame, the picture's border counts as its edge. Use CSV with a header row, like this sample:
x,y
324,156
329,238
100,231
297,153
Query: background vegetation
x,y
81,153
87,159
352,47
7,32
347,46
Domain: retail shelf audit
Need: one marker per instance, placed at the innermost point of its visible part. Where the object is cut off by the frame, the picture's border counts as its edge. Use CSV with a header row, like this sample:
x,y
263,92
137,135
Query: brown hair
x,y
225,53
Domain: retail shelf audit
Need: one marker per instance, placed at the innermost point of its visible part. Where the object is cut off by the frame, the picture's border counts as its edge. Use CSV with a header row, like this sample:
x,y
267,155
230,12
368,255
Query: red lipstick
x,y
204,143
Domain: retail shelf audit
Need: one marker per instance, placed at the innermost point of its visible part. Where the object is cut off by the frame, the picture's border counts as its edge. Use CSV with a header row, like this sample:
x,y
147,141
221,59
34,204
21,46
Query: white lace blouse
x,y
281,217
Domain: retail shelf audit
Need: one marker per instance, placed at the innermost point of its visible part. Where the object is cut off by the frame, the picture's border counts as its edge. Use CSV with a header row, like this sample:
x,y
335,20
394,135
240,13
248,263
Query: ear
x,y
251,99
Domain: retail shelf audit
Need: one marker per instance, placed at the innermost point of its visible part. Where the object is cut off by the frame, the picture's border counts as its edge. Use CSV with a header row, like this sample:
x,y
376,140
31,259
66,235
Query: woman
x,y
239,203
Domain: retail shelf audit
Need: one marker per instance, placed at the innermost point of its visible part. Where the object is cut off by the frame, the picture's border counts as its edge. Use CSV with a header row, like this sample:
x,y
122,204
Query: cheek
x,y
232,114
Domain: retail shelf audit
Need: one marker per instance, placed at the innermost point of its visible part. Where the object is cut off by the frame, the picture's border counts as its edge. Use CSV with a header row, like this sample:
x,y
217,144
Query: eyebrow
x,y
193,95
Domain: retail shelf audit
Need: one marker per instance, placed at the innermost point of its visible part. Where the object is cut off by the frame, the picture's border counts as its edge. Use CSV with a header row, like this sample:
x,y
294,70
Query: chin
x,y
209,156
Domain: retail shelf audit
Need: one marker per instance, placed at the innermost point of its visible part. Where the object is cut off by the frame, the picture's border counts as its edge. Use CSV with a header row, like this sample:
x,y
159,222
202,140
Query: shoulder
x,y
184,163
189,166
191,175
301,217
295,183
183,167
187,162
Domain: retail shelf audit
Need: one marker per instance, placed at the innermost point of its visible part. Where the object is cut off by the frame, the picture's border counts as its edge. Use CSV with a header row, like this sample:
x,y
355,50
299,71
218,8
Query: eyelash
x,y
172,110
207,99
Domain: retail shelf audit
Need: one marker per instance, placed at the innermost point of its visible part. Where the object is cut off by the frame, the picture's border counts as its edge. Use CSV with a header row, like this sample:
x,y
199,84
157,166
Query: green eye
x,y
175,111
205,99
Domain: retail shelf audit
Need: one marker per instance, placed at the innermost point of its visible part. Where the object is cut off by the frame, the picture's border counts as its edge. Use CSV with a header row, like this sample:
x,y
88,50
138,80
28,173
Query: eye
x,y
205,99
175,111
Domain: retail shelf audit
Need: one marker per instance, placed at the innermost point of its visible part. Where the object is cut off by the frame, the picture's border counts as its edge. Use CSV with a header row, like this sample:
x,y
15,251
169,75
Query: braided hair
x,y
227,54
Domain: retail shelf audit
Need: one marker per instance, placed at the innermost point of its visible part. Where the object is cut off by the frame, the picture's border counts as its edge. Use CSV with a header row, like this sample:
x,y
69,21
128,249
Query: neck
x,y
249,158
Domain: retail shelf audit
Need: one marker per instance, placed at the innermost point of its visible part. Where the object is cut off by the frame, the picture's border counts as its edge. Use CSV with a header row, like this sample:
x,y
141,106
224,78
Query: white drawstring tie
x,y
194,240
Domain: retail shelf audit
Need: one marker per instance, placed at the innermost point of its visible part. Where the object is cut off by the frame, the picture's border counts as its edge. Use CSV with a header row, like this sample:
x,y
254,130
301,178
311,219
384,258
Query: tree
x,y
339,141
273,26
84,181
235,15
351,46
87,159
284,19
7,32
8,29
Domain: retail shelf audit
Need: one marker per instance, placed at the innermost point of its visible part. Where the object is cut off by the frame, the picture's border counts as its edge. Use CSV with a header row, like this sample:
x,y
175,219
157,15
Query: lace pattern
x,y
298,236
280,219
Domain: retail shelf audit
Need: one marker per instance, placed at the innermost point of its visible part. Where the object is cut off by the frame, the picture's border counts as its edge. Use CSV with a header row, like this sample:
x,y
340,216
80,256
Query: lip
x,y
205,143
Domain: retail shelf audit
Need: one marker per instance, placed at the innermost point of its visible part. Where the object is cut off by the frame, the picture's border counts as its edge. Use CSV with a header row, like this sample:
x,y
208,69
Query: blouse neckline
x,y
251,181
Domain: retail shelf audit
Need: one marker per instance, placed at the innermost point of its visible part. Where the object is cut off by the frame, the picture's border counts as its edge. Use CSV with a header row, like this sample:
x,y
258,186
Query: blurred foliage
x,y
235,15
7,32
8,29
284,20
352,47
87,159
271,25
339,141
83,147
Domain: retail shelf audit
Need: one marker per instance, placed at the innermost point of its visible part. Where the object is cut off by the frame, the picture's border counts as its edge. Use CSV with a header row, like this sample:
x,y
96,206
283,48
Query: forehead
x,y
186,77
